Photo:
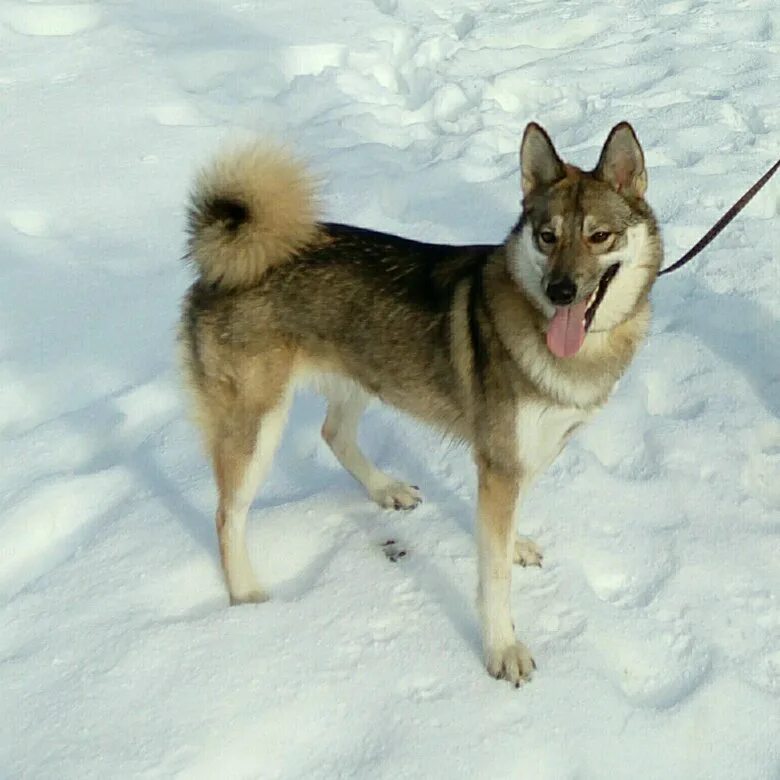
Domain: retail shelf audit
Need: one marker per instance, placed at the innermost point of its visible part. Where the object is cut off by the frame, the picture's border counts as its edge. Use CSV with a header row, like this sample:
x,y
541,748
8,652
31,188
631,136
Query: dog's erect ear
x,y
539,162
622,163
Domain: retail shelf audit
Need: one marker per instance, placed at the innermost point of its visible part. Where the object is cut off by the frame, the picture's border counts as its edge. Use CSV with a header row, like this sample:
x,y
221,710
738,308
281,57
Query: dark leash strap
x,y
723,221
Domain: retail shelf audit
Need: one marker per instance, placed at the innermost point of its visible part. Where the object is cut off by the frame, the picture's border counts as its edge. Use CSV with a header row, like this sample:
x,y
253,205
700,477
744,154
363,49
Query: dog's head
x,y
586,249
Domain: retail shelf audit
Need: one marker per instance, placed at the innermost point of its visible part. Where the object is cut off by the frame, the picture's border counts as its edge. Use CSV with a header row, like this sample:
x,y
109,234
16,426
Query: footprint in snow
x,y
393,551
388,7
50,522
748,629
464,26
627,577
654,663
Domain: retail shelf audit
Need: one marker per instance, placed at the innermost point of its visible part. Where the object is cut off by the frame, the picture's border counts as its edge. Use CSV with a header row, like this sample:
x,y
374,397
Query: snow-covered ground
x,y
656,619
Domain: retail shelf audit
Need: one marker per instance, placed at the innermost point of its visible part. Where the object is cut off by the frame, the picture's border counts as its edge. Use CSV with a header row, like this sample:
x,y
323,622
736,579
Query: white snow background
x,y
655,621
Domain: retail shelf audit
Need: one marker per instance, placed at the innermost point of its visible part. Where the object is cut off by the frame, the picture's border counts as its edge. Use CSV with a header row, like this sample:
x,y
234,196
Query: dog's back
x,y
337,299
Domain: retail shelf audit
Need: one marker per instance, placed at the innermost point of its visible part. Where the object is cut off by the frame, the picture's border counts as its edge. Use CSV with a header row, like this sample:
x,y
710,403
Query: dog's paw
x,y
397,495
513,664
527,553
257,596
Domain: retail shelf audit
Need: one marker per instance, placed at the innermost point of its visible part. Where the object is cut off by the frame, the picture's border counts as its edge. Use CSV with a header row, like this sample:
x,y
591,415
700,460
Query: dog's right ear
x,y
622,162
539,162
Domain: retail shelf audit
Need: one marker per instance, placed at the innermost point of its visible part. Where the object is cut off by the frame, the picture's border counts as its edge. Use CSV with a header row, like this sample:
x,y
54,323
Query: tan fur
x,y
455,336
506,658
279,194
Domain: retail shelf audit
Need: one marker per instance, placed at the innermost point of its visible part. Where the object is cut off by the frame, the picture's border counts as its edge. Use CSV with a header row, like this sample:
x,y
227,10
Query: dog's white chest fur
x,y
542,429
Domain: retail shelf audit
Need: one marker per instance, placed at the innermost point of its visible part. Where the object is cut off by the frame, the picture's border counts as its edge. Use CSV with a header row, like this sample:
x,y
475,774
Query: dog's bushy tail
x,y
251,208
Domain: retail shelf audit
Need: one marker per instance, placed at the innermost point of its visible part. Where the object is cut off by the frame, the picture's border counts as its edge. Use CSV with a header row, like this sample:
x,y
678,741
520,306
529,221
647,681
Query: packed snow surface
x,y
655,621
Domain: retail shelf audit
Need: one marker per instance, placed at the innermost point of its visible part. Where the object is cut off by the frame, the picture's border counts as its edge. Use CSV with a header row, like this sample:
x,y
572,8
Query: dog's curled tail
x,y
250,209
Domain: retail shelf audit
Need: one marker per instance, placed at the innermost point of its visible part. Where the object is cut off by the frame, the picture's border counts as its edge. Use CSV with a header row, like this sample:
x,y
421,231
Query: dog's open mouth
x,y
569,324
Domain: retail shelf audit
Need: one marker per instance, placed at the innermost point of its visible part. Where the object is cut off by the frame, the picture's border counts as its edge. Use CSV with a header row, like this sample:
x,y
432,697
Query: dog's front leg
x,y
499,491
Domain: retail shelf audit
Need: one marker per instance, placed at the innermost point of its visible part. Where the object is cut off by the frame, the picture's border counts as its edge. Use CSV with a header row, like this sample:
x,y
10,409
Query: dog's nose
x,y
562,291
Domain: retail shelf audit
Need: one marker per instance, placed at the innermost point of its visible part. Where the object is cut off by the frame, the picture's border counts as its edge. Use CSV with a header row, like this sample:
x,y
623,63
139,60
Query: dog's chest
x,y
542,429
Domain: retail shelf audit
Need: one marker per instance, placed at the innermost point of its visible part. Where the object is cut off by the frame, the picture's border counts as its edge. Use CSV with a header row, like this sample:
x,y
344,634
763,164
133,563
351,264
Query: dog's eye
x,y
547,237
599,237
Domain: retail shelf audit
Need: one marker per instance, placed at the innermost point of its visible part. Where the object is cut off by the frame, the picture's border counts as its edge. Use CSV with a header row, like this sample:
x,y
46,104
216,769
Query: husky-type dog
x,y
509,348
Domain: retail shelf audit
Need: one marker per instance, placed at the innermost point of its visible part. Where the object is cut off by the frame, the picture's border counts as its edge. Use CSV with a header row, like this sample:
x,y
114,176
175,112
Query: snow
x,y
655,621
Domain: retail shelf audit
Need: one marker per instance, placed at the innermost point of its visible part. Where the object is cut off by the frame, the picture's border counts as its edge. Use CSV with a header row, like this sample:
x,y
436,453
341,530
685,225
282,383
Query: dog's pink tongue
x,y
567,330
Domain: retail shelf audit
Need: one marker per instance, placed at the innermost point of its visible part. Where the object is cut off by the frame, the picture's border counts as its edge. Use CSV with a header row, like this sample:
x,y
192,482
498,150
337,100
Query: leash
x,y
722,222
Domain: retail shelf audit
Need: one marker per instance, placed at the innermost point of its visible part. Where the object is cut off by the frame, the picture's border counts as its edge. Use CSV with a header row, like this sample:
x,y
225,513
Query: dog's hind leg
x,y
241,461
346,403
242,456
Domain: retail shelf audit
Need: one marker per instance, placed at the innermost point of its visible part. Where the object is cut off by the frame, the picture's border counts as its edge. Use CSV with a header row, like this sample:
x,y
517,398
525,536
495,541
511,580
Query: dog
x,y
509,348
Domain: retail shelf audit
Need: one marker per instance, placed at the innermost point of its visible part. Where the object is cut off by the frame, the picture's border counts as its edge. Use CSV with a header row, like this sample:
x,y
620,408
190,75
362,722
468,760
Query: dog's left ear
x,y
539,162
622,163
